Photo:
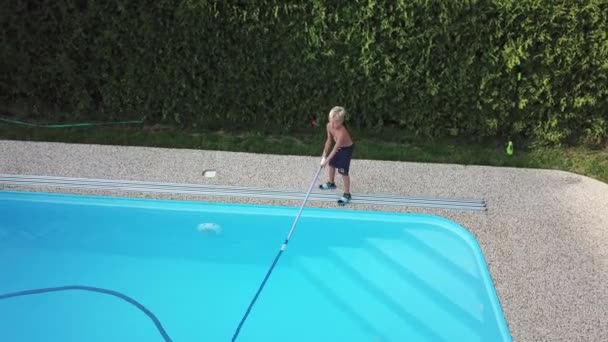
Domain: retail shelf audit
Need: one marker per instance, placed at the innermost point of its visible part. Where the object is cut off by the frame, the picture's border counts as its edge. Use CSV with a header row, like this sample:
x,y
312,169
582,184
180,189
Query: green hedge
x,y
535,69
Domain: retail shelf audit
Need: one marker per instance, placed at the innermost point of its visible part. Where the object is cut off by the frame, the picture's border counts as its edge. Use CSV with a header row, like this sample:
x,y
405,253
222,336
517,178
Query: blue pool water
x,y
346,275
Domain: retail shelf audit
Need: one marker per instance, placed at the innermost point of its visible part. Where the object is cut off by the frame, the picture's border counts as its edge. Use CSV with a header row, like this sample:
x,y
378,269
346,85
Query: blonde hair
x,y
338,113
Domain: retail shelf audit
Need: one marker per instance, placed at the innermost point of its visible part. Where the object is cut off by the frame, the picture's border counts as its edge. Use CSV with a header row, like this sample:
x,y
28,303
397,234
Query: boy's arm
x,y
327,142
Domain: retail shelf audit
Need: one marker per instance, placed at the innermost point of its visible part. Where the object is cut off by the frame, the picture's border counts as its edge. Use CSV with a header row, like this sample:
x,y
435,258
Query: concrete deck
x,y
544,235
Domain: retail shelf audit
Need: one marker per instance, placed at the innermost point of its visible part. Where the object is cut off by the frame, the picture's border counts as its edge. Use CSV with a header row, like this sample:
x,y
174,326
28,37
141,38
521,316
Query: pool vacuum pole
x,y
283,247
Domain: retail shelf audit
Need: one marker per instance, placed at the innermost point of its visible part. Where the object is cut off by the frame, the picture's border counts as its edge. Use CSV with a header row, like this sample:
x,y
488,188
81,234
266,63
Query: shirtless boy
x,y
341,154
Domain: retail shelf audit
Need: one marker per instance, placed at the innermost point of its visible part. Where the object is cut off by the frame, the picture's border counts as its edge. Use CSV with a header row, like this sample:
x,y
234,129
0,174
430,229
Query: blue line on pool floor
x,y
124,297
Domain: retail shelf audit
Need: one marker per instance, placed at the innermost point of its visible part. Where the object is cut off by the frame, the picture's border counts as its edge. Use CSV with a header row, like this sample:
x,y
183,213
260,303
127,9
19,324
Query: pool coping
x,y
235,191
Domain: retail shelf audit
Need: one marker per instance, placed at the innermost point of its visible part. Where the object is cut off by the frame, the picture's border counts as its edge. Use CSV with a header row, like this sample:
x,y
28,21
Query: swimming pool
x,y
346,276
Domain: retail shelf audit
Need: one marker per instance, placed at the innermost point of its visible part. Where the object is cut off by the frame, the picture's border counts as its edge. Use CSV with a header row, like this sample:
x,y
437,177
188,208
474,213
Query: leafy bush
x,y
535,69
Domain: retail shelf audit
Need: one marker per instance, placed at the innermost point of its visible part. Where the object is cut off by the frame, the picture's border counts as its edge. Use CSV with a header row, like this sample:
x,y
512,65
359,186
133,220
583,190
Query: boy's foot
x,y
327,186
344,199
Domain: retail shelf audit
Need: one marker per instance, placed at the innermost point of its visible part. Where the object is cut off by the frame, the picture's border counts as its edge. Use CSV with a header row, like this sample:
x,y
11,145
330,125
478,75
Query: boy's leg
x,y
346,197
346,179
331,184
331,171
344,171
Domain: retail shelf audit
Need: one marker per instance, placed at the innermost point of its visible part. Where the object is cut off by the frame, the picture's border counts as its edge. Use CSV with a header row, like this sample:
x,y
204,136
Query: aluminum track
x,y
234,191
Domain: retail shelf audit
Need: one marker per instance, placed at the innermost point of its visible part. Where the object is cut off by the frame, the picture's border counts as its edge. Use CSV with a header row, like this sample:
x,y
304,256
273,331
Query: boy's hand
x,y
323,161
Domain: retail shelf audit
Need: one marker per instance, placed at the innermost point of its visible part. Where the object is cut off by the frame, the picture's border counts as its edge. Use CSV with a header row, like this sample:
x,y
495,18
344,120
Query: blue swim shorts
x,y
341,160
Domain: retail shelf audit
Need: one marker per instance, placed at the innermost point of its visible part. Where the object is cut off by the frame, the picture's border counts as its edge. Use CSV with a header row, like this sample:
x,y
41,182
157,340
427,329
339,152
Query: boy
x,y
340,155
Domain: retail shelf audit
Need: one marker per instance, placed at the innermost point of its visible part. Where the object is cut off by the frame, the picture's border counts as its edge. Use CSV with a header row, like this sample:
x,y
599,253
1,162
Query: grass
x,y
387,145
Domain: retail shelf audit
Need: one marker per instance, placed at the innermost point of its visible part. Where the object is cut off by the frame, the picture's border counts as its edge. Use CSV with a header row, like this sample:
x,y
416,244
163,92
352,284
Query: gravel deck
x,y
544,235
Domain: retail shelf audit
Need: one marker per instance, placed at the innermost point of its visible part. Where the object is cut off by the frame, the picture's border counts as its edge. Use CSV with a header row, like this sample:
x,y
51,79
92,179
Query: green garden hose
x,y
84,124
